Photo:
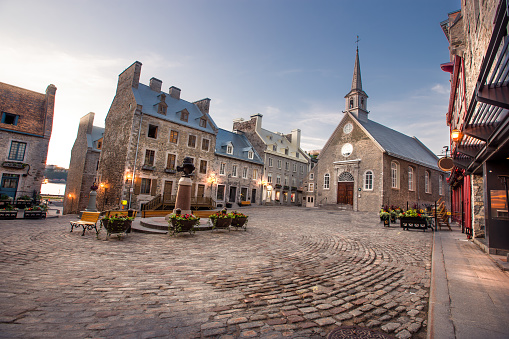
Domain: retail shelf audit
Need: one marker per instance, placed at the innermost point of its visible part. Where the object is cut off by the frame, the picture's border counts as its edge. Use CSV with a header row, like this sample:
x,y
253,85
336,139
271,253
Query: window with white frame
x,y
244,172
368,180
222,168
229,149
287,166
270,162
301,169
286,180
311,176
255,174
205,144
411,181
234,170
279,163
274,148
278,180
250,154
295,167
427,183
326,181
269,178
311,187
394,174
191,141
293,182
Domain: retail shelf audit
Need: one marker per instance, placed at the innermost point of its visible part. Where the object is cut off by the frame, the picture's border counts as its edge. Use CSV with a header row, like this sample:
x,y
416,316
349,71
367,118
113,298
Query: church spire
x,y
356,80
357,99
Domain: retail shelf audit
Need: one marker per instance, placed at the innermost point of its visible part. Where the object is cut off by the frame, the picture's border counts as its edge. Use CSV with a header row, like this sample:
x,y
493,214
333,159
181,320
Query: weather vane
x,y
357,41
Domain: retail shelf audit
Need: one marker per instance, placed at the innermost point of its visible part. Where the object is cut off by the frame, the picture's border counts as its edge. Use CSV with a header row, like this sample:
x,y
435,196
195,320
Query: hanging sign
x,y
446,164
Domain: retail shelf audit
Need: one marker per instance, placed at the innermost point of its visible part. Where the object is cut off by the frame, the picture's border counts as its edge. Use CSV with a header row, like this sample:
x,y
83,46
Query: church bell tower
x,y
357,99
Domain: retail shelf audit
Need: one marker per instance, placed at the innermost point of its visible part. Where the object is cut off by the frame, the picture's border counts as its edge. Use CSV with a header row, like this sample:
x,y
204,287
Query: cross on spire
x,y
357,42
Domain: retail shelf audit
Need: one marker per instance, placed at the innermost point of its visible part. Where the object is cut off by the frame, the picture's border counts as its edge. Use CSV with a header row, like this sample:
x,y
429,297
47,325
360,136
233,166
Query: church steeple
x,y
357,99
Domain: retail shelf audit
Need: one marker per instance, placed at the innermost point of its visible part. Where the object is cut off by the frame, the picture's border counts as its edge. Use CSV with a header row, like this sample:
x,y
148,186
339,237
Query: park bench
x,y
245,203
88,221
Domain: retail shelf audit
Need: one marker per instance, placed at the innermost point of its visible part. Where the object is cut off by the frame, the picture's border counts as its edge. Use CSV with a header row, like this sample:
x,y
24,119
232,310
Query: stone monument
x,y
184,189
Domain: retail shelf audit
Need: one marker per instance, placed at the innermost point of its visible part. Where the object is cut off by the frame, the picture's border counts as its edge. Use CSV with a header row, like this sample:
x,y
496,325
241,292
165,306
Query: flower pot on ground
x,y
178,223
117,225
8,213
239,220
414,219
221,219
35,212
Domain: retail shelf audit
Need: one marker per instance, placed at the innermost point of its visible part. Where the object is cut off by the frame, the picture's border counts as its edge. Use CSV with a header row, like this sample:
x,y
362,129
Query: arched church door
x,y
345,188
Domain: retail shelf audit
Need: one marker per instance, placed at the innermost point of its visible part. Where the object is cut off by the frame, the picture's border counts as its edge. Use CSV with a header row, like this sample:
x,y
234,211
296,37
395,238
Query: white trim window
x,y
427,183
368,181
229,149
269,178
270,162
311,187
279,163
255,173
326,181
250,154
311,176
278,180
234,170
222,168
395,175
244,172
411,182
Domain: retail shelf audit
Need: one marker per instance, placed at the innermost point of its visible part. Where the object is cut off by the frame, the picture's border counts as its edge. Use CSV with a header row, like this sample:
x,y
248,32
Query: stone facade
x,y
478,214
285,164
144,128
83,165
25,130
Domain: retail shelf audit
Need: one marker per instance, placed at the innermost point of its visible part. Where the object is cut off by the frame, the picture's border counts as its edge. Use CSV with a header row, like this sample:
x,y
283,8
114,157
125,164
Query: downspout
x,y
135,158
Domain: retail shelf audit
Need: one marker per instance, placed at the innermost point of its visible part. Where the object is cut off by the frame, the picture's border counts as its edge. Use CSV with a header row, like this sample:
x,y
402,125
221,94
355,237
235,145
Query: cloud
x,y
440,89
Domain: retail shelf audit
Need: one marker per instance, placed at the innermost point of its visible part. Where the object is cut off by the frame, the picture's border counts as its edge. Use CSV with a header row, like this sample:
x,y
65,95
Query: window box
x,y
148,168
171,171
11,164
8,215
294,188
286,187
277,186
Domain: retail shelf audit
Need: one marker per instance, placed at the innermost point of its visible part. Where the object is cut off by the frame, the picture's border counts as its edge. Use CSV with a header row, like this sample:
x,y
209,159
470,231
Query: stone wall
x,y
478,215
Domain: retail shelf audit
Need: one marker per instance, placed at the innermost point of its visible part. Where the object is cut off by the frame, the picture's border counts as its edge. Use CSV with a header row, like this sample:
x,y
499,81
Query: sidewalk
x,y
469,295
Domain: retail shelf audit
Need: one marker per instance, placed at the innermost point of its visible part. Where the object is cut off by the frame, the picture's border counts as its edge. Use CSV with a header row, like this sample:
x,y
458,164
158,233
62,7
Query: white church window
x,y
346,150
395,174
326,181
348,128
368,180
427,184
411,185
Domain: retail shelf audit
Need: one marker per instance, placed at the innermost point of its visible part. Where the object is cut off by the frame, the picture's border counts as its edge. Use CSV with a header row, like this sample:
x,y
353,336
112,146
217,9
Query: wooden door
x,y
201,191
168,188
345,193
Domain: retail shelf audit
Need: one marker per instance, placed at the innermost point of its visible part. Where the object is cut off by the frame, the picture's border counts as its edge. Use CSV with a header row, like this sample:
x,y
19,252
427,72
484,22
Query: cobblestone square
x,y
295,272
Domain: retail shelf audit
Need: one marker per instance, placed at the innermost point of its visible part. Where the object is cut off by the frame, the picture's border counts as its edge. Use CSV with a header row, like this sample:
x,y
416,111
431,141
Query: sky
x,y
291,61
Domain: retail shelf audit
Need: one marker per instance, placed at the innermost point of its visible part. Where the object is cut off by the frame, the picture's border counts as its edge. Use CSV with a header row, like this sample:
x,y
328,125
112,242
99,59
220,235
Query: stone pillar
x,y
91,202
478,222
184,196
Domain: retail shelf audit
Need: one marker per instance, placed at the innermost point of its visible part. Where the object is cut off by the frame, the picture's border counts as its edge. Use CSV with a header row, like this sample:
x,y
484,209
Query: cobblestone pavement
x,y
294,273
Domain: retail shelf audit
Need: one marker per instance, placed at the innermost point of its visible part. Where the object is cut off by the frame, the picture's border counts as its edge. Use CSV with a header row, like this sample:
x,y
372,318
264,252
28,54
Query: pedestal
x,y
91,202
184,196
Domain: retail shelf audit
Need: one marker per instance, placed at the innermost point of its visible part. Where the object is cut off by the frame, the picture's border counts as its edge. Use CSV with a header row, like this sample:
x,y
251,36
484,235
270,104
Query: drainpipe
x,y
135,159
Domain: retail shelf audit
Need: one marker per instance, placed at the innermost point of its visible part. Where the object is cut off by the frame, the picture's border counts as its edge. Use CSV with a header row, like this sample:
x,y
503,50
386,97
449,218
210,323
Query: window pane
x,y
220,192
203,166
171,161
205,144
192,141
145,186
17,151
174,135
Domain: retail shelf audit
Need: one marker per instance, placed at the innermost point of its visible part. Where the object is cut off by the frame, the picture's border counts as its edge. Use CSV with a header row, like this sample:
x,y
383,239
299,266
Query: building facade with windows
x,y
83,165
148,132
25,130
478,118
285,164
365,165
237,171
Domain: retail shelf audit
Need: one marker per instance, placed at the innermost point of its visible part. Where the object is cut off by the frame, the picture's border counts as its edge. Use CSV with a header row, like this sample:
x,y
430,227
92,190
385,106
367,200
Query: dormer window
x,y
229,149
9,119
274,148
286,151
184,115
297,154
203,122
161,108
250,154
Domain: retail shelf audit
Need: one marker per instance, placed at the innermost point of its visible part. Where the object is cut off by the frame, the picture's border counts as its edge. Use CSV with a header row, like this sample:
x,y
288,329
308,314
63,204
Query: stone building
x,y
83,164
365,165
25,131
148,132
237,170
285,164
478,119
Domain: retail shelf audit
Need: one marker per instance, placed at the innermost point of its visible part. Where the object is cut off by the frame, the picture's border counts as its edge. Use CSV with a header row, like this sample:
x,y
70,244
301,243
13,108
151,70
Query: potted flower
x,y
414,218
117,224
8,212
239,220
35,212
385,217
221,219
178,223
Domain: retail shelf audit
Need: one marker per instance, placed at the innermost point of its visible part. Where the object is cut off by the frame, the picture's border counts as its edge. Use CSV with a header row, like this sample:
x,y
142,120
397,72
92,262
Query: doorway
x,y
9,184
345,193
167,192
233,194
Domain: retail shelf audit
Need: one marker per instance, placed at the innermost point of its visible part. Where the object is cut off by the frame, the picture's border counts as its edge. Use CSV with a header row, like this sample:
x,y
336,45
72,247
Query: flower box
x,y
178,226
413,222
8,215
169,170
116,226
148,168
34,214
221,222
239,222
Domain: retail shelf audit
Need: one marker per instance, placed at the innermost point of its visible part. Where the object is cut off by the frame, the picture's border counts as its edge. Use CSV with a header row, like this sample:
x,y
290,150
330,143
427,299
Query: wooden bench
x,y
245,203
88,221
109,214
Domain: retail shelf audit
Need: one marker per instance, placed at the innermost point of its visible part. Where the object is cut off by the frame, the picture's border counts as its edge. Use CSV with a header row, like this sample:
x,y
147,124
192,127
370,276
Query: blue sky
x,y
291,61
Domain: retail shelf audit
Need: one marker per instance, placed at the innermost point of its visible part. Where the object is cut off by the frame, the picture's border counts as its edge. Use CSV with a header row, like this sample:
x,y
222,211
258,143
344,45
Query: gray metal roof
x,y
241,146
399,145
150,100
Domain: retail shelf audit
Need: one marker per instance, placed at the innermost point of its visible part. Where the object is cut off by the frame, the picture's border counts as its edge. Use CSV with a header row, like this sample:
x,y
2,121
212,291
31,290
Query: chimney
x,y
155,84
203,105
174,92
295,140
258,118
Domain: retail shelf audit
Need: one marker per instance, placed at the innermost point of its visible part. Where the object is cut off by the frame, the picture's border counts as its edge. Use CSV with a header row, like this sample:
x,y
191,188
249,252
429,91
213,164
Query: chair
x,y
88,221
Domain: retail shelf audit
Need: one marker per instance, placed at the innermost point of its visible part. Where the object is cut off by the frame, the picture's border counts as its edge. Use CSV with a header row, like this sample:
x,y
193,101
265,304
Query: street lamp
x,y
70,196
456,135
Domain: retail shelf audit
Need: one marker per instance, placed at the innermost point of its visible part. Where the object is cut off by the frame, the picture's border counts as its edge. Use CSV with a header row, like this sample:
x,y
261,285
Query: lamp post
x,y
128,178
70,196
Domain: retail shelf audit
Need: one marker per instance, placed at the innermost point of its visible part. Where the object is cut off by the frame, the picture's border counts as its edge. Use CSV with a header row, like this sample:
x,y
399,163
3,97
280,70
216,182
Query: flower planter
x,y
387,222
221,222
179,226
8,215
34,214
239,222
414,222
116,226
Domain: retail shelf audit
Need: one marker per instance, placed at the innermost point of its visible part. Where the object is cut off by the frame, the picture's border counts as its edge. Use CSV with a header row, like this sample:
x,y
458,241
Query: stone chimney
x,y
203,105
258,119
155,84
174,92
295,140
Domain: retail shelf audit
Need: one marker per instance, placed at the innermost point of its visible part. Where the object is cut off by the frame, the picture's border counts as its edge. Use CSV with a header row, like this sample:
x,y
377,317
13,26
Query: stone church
x,y
365,165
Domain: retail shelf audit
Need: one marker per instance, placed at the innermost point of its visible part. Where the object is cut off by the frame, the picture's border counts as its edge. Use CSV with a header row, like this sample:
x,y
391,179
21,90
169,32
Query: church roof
x,y
399,145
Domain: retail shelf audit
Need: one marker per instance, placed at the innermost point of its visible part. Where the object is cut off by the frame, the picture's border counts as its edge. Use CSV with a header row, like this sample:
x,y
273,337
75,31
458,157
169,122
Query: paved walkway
x,y
469,292
294,273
